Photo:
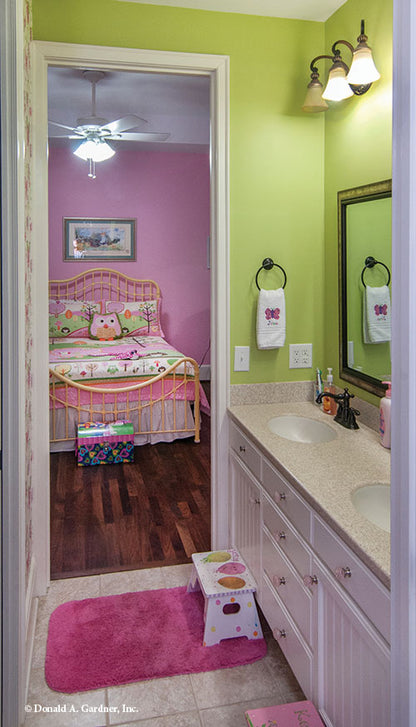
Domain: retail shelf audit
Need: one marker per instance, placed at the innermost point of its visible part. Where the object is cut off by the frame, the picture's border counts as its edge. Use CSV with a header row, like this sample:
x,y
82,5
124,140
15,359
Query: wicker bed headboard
x,y
103,284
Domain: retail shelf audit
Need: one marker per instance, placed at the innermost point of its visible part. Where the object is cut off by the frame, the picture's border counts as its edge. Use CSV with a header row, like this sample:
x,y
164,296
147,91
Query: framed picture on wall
x,y
99,238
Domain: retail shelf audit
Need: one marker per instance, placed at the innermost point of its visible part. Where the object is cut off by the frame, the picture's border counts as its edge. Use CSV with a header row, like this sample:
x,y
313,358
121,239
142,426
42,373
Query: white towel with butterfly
x,y
271,319
376,314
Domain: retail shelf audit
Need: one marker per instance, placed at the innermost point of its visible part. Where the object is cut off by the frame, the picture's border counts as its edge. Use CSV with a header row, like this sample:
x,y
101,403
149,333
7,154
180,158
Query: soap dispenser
x,y
385,410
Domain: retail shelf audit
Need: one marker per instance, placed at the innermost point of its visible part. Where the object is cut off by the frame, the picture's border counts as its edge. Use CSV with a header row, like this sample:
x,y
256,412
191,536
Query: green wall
x,y
276,153
285,166
357,143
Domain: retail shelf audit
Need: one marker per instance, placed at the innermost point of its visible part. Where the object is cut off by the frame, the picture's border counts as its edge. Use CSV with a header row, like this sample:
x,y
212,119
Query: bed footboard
x,y
160,405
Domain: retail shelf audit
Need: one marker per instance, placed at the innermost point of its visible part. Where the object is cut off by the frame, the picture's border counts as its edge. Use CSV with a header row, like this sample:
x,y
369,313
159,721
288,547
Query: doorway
x,y
157,512
216,68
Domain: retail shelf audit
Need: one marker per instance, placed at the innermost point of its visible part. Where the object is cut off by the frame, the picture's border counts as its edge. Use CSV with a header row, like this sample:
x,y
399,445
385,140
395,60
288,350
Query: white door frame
x,y
403,475
217,68
13,628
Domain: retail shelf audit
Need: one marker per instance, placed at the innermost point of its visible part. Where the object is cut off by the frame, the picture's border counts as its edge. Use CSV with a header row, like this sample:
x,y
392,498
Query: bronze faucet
x,y
345,413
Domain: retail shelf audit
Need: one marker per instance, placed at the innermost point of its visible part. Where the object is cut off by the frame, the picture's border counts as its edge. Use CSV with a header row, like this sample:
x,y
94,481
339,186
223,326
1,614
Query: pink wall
x,y
168,194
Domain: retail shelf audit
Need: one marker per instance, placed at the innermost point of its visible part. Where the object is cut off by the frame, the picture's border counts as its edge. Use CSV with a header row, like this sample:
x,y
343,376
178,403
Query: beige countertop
x,y
326,474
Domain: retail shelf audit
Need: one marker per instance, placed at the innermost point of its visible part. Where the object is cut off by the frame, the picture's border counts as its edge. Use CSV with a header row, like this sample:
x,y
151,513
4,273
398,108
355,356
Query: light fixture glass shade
x,y
314,102
85,150
363,70
337,87
97,151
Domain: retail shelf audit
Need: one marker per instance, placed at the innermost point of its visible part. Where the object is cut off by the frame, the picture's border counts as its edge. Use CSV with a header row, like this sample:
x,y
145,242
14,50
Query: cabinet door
x,y
245,513
353,660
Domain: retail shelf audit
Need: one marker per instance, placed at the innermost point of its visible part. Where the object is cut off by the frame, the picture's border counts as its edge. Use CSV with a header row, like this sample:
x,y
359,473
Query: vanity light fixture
x,y
93,150
343,82
314,102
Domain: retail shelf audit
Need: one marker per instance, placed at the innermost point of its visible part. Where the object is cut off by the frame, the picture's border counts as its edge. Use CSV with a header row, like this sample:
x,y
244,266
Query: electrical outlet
x,y
241,358
300,356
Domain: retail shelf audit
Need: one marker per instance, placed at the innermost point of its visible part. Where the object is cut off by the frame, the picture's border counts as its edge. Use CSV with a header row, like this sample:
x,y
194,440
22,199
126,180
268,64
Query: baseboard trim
x,y
31,610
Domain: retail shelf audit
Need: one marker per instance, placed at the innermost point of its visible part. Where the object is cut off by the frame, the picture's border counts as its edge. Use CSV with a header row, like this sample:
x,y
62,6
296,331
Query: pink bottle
x,y
385,410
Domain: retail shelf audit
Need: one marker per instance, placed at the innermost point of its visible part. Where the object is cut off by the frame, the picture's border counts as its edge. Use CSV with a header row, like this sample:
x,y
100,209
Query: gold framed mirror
x,y
364,269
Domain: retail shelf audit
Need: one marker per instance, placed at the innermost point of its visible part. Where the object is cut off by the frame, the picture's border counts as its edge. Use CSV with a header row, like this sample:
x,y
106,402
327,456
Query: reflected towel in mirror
x,y
376,315
271,319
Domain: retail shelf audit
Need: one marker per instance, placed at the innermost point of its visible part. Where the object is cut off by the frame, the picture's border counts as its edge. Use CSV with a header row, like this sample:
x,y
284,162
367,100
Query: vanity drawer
x,y
287,636
360,583
245,450
286,538
287,499
287,585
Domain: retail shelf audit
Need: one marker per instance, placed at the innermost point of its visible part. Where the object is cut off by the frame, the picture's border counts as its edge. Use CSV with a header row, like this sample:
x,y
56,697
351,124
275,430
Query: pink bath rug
x,y
102,642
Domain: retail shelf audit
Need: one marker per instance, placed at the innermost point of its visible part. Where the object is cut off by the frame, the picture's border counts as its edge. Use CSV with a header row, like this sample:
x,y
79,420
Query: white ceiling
x,y
176,104
319,10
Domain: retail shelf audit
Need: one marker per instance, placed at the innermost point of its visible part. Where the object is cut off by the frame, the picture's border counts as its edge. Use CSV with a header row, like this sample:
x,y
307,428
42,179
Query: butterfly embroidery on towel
x,y
380,310
272,313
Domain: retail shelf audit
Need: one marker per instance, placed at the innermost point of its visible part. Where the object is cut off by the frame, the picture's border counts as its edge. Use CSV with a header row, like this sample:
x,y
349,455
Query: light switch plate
x,y
241,358
300,355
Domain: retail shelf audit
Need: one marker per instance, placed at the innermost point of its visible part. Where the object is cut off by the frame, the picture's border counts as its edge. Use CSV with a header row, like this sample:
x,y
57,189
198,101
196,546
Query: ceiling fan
x,y
98,130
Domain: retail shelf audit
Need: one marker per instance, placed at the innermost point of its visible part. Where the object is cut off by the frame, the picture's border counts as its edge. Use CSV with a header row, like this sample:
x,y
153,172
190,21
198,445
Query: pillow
x,y
137,318
69,318
105,327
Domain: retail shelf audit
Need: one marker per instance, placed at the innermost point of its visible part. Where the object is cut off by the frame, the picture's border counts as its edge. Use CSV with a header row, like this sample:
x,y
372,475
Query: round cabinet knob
x,y
279,581
242,449
343,572
310,580
254,500
281,535
282,496
279,634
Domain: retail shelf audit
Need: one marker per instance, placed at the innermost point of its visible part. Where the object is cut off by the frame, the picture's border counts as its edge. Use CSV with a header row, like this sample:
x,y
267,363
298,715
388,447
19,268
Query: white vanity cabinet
x,y
284,599
245,499
328,611
352,625
353,661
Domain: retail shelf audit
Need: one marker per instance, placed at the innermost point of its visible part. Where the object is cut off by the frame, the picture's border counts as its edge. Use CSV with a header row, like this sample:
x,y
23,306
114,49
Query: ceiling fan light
x,y
98,151
85,150
363,70
103,151
337,87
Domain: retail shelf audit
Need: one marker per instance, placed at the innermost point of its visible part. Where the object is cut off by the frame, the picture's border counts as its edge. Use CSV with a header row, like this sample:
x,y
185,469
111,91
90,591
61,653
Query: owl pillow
x,y
69,318
105,327
137,318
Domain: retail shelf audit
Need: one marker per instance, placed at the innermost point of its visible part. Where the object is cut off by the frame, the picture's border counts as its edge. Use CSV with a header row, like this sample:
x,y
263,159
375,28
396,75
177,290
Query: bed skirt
x,y
66,422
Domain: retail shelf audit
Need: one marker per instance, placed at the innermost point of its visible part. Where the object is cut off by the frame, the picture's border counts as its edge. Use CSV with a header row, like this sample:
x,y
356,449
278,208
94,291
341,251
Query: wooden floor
x,y
121,517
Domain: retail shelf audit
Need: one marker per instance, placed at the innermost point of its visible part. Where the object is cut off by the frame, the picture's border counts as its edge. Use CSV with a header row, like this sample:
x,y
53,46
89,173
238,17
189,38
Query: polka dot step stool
x,y
228,589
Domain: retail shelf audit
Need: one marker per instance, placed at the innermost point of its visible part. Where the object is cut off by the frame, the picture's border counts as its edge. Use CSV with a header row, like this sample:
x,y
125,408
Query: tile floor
x,y
197,700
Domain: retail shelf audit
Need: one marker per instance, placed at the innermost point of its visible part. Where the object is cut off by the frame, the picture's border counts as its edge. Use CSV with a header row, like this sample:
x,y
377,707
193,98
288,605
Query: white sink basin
x,y
373,501
301,429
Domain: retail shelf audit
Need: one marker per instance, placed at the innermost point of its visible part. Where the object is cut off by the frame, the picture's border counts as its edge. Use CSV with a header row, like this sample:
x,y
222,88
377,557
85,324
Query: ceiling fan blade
x,y
62,126
140,136
78,137
127,122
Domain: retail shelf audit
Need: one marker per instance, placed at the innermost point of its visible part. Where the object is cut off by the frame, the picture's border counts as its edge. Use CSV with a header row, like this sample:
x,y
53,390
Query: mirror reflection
x,y
364,221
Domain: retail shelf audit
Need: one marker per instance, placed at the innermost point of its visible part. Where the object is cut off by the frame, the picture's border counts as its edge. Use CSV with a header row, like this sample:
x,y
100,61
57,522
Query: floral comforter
x,y
130,357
